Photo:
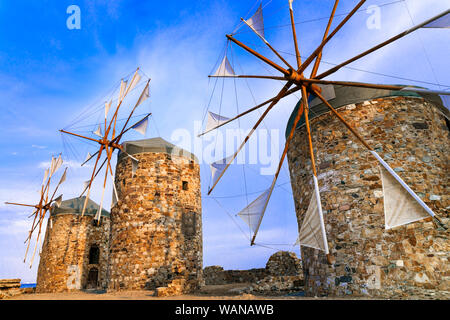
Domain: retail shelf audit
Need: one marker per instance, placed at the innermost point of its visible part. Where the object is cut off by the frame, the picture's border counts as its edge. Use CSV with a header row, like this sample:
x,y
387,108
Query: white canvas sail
x,y
134,81
442,22
63,177
290,4
214,120
256,22
45,176
107,107
134,166
225,69
253,212
327,92
400,207
86,184
403,185
56,164
445,101
98,132
141,126
144,95
218,167
310,233
123,86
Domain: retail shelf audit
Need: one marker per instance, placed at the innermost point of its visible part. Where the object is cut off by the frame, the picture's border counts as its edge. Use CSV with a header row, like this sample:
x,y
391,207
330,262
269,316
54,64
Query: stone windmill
x,y
402,205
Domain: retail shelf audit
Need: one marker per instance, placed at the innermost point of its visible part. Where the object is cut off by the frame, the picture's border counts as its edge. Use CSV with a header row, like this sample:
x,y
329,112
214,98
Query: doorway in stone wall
x,y
92,280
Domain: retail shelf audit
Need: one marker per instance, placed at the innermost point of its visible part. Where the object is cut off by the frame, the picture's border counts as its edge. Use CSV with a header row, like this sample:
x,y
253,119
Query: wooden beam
x,y
319,56
268,44
401,35
274,102
297,88
261,57
324,42
294,35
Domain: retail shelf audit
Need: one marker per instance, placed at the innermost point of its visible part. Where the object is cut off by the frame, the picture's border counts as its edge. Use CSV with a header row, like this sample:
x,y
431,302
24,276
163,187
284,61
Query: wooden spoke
x,y
79,135
401,35
319,56
294,34
274,102
250,110
92,178
268,44
324,42
343,120
132,111
280,164
250,77
261,57
116,139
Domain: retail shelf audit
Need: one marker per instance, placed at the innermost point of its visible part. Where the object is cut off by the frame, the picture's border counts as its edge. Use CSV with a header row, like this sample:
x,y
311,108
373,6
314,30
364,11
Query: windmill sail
x,y
144,95
141,126
55,165
218,167
253,212
98,132
311,234
214,120
134,166
442,22
45,176
256,22
134,81
123,85
400,207
107,107
225,69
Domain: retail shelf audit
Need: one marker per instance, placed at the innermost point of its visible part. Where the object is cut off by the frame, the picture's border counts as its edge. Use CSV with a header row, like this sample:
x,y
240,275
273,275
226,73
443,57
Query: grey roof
x,y
156,145
346,95
75,206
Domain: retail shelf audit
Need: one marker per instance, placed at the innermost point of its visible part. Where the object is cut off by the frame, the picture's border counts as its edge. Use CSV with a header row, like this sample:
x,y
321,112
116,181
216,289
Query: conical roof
x,y
75,206
156,145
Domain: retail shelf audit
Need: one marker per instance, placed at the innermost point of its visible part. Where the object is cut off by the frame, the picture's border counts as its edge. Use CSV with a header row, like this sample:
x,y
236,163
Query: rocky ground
x,y
210,292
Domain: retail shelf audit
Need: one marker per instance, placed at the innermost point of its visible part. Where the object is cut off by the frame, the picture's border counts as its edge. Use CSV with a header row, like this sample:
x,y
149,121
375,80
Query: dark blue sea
x,y
28,285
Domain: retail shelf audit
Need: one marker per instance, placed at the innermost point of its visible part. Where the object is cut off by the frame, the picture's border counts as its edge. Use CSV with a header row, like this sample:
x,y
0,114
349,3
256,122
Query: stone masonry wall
x,y
64,262
215,275
412,137
156,226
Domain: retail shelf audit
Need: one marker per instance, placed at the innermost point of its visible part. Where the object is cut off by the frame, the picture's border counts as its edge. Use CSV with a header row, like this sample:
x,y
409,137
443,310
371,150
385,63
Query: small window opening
x,y
94,254
185,185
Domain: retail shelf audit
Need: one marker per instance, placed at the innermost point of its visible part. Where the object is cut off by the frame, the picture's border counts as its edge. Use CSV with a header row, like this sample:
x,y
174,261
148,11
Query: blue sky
x,y
50,74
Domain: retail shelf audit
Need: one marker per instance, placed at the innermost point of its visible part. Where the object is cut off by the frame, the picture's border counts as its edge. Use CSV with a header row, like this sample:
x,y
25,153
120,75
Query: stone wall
x,y
215,275
281,263
64,263
413,138
156,226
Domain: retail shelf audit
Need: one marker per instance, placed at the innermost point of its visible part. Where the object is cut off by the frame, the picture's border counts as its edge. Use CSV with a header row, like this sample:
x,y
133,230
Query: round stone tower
x,y
75,250
409,131
156,225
